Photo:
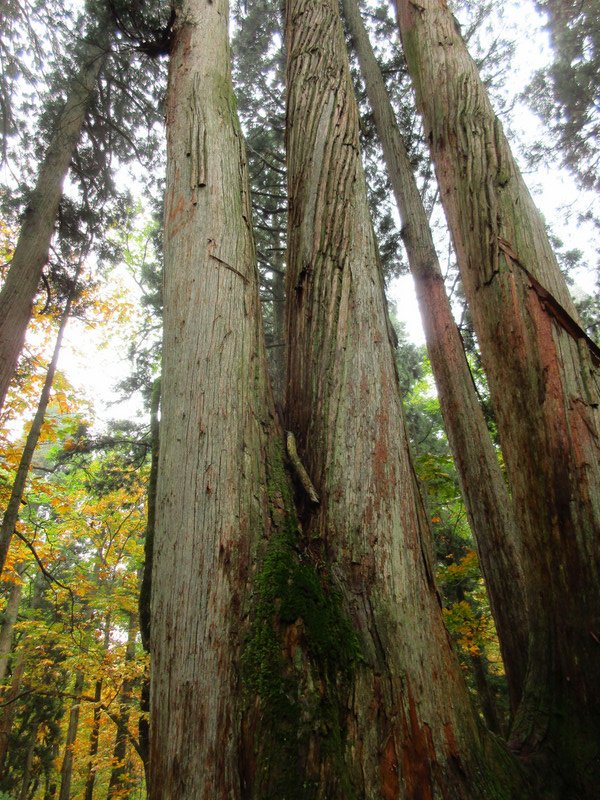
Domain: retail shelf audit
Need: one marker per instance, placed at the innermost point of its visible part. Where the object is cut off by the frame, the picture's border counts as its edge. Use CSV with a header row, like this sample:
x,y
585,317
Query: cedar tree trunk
x,y
406,729
543,377
221,483
488,503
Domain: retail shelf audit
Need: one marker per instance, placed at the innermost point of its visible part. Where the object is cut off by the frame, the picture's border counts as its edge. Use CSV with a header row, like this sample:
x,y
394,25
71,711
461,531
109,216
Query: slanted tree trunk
x,y
31,253
11,515
66,770
120,784
406,728
487,500
543,377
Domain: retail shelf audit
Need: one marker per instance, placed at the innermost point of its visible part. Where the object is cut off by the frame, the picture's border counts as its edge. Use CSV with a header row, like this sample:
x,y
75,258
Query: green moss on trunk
x,y
299,655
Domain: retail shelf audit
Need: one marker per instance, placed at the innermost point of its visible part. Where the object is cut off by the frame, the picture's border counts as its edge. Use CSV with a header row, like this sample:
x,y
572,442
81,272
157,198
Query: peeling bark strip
x,y
402,718
552,306
197,143
488,503
544,383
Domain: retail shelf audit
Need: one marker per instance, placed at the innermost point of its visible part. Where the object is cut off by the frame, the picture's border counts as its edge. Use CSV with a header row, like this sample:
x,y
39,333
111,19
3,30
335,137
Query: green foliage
x,y
565,94
466,608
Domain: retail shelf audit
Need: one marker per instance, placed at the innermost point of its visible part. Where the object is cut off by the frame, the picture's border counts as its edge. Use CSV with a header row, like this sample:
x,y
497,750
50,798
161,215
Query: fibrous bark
x,y
31,252
219,494
543,377
487,500
405,725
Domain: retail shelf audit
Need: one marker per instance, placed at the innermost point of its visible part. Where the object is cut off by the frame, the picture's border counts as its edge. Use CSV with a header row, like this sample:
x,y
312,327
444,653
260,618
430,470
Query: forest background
x,y
71,657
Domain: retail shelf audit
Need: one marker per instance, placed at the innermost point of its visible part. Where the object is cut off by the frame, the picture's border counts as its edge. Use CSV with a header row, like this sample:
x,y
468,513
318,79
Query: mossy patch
x,y
301,651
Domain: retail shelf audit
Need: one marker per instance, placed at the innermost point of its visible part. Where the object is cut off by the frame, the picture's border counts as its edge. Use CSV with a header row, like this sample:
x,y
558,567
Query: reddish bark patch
x,y
453,751
403,11
552,401
388,769
291,639
176,208
417,754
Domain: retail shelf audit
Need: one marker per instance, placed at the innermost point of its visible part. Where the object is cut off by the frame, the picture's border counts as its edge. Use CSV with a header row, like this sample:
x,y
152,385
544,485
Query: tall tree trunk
x,y
9,617
28,766
11,515
9,706
92,767
543,377
487,500
146,580
252,652
221,478
120,784
405,724
31,253
66,770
